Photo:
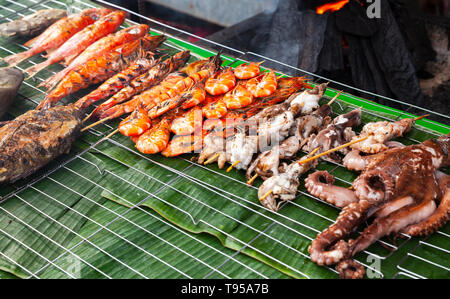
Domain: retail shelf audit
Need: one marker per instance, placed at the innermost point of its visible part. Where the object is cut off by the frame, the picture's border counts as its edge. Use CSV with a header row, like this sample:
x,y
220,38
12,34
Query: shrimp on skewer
x,y
154,76
198,96
79,41
136,123
99,47
144,99
248,70
209,69
155,139
215,109
99,69
116,82
263,85
188,123
239,97
58,33
221,82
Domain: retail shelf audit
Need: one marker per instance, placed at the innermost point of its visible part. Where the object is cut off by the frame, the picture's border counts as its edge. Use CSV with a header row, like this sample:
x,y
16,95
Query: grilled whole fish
x,y
33,24
36,137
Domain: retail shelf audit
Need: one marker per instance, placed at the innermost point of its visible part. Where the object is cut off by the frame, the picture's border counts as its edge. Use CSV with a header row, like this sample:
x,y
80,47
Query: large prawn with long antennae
x,y
57,34
78,42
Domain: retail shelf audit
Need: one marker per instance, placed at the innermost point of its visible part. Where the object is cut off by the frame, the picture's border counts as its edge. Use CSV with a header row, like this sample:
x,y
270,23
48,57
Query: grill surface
x,y
109,211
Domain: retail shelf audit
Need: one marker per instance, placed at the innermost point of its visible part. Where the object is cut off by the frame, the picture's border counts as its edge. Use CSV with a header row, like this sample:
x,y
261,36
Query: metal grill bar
x,y
180,174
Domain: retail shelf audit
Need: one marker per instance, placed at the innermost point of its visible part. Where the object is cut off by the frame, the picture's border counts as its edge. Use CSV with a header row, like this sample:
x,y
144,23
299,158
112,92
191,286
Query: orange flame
x,y
331,6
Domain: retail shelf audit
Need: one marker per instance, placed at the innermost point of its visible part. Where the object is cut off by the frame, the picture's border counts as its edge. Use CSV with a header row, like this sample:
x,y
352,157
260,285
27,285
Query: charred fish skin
x,y
35,138
10,81
33,24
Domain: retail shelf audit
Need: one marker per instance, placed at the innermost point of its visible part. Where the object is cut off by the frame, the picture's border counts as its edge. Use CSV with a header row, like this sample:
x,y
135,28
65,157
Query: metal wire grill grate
x,y
80,182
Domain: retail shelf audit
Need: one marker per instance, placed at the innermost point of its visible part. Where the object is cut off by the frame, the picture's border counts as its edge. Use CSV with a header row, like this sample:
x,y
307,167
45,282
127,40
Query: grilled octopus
x,y
400,187
33,139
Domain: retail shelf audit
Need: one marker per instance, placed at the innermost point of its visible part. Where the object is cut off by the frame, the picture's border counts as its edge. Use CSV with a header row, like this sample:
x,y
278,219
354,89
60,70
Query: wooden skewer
x,y
420,117
314,151
250,181
265,195
334,98
112,133
232,165
333,150
210,160
96,123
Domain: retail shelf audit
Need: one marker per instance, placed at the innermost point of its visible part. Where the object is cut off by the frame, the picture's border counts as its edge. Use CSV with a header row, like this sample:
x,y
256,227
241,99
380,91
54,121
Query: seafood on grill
x,y
97,48
219,128
117,82
141,83
57,34
100,68
237,98
33,24
221,82
263,85
283,186
36,137
267,162
338,132
247,70
266,129
80,40
10,81
381,132
401,188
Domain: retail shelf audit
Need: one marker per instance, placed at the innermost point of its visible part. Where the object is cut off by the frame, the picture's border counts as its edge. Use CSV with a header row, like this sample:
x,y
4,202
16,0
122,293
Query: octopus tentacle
x,y
350,269
324,250
320,184
392,223
354,161
374,185
433,222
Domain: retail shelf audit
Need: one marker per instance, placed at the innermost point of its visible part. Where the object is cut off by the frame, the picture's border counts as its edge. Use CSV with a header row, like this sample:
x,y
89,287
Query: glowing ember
x,y
331,6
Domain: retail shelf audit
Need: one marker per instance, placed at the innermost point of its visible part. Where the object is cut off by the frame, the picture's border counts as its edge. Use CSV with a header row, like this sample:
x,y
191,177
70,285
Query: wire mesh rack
x,y
106,210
